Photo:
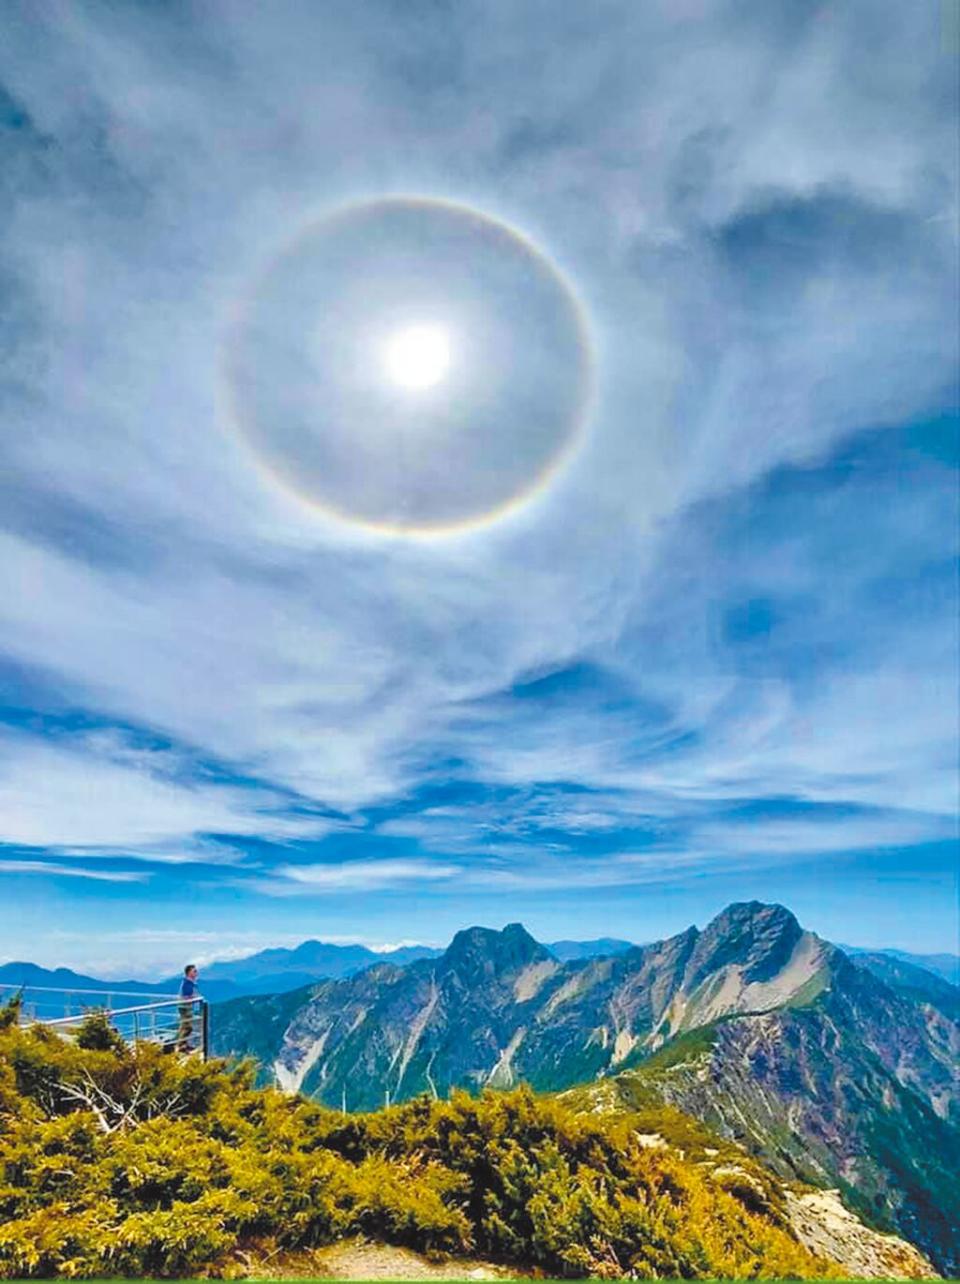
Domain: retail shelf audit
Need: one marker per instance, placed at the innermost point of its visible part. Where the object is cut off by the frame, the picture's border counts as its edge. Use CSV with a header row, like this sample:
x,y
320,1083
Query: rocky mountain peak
x,y
757,938
756,914
481,951
774,1017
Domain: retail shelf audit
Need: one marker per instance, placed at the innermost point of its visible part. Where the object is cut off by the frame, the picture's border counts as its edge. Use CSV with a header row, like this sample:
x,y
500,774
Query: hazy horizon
x,y
158,958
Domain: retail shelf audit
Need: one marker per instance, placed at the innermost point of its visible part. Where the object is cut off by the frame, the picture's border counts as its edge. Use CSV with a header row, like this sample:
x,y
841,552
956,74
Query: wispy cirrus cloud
x,y
740,592
357,875
50,869
98,793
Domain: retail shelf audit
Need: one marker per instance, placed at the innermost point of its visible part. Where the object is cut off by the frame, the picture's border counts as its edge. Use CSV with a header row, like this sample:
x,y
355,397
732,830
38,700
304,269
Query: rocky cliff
x,y
770,1034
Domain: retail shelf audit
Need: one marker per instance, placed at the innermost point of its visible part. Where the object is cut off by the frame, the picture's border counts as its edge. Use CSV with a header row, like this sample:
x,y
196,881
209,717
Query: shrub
x,y
97,1034
119,1160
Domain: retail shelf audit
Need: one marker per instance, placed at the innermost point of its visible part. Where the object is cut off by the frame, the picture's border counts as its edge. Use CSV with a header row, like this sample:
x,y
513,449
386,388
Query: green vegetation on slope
x,y
124,1161
684,1048
829,1114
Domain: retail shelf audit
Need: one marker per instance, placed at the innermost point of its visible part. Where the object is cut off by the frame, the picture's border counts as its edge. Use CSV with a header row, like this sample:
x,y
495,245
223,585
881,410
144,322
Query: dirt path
x,y
359,1259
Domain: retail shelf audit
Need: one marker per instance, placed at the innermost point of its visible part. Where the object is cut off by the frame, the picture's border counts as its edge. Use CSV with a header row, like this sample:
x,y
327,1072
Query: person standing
x,y
189,993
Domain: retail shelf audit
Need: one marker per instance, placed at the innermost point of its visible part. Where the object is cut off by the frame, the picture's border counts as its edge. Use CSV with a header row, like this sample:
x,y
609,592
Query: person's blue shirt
x,y
188,988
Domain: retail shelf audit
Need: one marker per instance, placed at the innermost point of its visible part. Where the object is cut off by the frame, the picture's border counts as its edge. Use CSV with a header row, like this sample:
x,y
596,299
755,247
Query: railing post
x,y
204,1029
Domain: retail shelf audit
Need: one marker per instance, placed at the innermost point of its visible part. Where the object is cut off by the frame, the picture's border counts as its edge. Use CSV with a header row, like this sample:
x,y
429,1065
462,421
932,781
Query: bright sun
x,y
417,356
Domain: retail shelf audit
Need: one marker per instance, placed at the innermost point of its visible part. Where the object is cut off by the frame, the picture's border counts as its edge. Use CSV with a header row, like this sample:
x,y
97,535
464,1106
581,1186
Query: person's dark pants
x,y
185,1030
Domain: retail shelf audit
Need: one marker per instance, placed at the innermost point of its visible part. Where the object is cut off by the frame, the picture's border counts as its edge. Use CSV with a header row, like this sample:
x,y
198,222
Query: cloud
x,y
354,876
714,604
814,833
70,871
97,794
519,858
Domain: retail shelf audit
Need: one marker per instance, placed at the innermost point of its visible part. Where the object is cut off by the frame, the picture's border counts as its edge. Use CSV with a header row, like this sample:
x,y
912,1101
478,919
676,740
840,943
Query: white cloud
x,y
355,876
184,594
70,871
96,795
732,844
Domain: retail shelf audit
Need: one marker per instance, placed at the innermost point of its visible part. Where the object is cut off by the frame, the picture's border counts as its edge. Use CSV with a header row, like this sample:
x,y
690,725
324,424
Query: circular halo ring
x,y
285,475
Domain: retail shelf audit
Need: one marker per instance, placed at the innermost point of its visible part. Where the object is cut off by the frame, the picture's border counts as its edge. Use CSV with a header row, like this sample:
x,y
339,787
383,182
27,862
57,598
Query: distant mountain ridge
x,y
312,959
772,1018
946,966
279,969
919,983
270,971
321,960
19,972
604,945
218,983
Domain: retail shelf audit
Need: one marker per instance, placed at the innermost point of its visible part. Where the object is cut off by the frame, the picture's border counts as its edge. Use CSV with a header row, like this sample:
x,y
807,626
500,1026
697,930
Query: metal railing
x,y
180,1025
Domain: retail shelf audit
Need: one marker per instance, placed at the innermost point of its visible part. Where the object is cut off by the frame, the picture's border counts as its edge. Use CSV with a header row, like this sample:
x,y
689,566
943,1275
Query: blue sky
x,y
714,659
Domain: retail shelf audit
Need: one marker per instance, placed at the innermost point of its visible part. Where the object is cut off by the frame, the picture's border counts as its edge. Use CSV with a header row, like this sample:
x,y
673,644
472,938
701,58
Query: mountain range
x,y
275,971
946,966
266,972
271,971
835,1070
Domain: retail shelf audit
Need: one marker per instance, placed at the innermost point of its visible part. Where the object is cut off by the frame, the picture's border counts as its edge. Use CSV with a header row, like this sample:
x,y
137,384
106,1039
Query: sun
x,y
418,356
384,373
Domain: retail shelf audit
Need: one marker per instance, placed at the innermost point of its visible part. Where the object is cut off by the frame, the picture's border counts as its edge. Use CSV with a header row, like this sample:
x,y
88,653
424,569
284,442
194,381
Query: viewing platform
x,y
180,1025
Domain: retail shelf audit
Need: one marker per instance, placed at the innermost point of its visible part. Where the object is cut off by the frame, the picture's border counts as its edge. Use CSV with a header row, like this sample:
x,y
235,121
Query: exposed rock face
x,y
771,1035
856,1088
922,986
817,1102
822,1224
497,1004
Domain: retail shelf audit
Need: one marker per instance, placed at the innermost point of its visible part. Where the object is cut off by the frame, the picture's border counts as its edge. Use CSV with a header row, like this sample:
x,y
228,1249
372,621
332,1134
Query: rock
x,y
825,1227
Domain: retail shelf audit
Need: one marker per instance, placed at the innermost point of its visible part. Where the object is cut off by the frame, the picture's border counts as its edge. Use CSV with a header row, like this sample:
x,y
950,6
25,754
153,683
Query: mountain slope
x,y
497,1007
945,966
207,1176
918,983
820,1102
838,1076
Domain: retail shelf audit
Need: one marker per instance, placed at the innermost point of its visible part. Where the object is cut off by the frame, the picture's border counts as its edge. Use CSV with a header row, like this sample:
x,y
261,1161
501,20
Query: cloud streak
x,y
51,870
738,595
356,876
98,794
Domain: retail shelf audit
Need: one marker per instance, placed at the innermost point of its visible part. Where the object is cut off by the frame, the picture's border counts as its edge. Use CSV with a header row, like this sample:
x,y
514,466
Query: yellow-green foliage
x,y
120,1161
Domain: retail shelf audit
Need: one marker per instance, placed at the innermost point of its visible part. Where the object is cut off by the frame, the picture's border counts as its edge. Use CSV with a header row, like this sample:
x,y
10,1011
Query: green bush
x,y
97,1034
122,1161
